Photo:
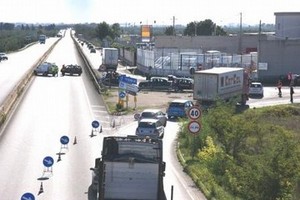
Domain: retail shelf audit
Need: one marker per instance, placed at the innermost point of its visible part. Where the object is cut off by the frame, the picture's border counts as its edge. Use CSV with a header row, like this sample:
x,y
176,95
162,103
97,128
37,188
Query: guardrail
x,y
11,100
101,89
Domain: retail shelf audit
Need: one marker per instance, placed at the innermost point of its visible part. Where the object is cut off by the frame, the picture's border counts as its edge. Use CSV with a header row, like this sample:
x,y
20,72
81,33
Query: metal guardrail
x,y
101,89
16,92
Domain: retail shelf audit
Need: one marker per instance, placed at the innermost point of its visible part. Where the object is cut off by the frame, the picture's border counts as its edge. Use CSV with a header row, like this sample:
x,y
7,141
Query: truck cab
x,y
130,168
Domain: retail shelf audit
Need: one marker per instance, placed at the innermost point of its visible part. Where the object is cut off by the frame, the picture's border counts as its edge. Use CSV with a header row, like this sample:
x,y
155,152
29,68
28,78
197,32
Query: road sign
x,y
48,161
95,124
64,139
194,127
128,79
122,94
27,196
194,113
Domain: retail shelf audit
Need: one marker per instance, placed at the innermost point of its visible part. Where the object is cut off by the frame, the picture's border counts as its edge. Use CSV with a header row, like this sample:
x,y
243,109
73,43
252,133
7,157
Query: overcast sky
x,y
222,12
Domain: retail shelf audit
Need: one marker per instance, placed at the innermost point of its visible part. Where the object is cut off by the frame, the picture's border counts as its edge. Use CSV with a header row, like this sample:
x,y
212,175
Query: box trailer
x,y
110,58
220,83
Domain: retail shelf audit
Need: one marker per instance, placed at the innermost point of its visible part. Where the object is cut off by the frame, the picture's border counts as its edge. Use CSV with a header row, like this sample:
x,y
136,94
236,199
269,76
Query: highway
x,y
53,108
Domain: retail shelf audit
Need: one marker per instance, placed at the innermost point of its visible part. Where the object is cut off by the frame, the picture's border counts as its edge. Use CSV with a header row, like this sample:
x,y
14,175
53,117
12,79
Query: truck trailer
x,y
130,168
110,58
220,83
42,39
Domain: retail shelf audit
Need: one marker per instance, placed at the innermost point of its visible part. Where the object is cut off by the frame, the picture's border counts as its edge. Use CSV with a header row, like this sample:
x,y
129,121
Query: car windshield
x,y
146,125
255,85
177,105
147,114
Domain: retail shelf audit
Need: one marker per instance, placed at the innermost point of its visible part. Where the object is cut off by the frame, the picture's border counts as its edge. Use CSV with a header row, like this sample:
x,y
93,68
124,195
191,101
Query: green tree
x,y
103,30
204,28
169,30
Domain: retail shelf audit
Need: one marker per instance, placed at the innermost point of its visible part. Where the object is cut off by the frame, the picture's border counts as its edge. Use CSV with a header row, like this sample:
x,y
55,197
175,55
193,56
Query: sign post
x,y
194,126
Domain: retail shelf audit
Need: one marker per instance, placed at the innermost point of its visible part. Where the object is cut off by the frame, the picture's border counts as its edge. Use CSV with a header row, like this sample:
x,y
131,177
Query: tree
x,y
169,30
206,27
115,30
102,30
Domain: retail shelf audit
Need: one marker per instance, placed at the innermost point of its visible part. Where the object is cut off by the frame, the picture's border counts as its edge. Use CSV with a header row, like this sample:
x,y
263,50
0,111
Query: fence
x,y
178,62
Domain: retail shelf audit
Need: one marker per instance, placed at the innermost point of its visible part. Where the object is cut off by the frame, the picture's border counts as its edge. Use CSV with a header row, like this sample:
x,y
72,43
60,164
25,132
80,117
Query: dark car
x,y
46,69
71,70
180,84
3,56
92,50
155,83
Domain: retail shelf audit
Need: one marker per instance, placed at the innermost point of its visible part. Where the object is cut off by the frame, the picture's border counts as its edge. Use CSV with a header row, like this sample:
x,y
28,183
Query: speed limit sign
x,y
194,113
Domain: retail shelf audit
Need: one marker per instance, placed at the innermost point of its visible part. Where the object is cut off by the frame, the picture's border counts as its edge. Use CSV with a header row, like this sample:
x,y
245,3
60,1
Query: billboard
x,y
146,33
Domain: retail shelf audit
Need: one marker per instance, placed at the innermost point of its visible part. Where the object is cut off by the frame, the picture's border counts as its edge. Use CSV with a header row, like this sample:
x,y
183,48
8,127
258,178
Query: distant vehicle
x,y
110,79
155,83
178,108
130,168
110,58
42,39
46,69
220,83
180,84
150,128
71,70
154,114
3,56
92,50
256,90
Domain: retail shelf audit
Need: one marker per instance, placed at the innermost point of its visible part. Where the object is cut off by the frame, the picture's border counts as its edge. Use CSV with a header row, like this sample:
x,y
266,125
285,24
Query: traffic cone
x,y
41,189
75,141
114,124
92,133
101,129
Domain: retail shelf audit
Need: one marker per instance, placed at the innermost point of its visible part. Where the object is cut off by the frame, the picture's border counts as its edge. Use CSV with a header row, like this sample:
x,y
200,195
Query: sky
x,y
147,12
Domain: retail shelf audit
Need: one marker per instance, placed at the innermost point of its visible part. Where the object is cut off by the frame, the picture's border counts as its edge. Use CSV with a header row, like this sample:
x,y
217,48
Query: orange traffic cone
x,y
75,141
41,189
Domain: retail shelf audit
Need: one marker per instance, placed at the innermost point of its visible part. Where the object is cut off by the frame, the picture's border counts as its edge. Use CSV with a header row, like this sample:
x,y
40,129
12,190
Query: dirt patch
x,y
150,99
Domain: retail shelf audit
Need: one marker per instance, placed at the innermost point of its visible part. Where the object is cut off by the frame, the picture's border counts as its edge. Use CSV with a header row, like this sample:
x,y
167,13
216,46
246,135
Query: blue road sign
x,y
95,124
128,80
122,94
27,196
48,161
64,139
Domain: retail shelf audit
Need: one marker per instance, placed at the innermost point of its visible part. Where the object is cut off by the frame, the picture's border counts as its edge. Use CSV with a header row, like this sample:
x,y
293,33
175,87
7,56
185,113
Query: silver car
x,y
150,128
154,114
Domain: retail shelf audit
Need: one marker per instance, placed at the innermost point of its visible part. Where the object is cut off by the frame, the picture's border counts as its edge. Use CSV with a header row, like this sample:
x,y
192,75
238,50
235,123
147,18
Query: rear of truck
x,y
110,58
218,83
130,168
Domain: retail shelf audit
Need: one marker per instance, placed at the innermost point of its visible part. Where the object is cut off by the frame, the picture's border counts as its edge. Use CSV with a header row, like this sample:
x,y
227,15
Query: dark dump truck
x,y
130,168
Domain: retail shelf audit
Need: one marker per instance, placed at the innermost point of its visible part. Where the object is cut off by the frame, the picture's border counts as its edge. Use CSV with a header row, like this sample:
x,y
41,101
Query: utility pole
x,y
174,32
240,36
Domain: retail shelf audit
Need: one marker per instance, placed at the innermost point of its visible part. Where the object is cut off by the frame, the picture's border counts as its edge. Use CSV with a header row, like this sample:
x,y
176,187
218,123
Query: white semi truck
x,y
130,168
221,83
110,58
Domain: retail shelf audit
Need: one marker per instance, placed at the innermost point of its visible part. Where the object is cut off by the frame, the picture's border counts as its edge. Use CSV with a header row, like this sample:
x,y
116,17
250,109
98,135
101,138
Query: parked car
x,y
150,128
256,89
154,114
71,70
3,56
180,84
155,83
45,69
178,108
92,50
